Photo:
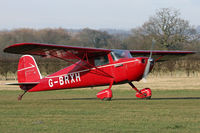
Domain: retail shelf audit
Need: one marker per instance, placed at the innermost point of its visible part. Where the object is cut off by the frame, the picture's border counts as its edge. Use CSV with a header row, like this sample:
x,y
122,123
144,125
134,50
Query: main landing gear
x,y
143,94
105,94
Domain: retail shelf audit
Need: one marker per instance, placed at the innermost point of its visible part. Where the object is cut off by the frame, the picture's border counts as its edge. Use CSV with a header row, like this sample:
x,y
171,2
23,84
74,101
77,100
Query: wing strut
x,y
158,58
99,71
106,74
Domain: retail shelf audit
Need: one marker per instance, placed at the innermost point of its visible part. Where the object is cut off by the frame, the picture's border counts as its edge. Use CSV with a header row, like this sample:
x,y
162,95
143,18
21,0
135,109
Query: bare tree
x,y
54,36
170,31
94,38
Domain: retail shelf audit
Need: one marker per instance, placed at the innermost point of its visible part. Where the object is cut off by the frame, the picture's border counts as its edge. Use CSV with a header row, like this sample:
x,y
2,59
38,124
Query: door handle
x,y
118,65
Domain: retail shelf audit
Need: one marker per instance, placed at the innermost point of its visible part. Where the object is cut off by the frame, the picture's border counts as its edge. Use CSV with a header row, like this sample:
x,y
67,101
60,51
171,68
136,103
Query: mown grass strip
x,y
80,111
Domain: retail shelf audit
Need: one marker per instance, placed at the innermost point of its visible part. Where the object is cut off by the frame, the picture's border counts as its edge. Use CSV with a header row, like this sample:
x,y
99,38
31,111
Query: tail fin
x,y
28,71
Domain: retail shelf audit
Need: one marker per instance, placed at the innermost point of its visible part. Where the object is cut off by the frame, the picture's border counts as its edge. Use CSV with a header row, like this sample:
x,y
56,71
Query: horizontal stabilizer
x,y
24,83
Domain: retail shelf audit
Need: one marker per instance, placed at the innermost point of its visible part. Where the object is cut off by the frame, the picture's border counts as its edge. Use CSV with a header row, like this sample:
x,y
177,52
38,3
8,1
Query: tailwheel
x,y
144,93
20,96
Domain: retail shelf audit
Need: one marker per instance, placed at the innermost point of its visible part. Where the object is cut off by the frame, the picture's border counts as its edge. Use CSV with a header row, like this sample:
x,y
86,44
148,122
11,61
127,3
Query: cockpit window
x,y
102,60
118,54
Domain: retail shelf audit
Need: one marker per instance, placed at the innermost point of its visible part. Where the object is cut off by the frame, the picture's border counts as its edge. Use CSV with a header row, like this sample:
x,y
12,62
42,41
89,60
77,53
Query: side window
x,y
102,60
118,54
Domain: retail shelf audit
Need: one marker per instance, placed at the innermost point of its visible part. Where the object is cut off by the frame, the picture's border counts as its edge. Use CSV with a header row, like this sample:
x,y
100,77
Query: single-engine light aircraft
x,y
95,67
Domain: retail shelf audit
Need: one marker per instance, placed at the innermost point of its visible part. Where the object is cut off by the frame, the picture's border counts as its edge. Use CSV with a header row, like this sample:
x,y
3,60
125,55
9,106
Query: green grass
x,y
80,111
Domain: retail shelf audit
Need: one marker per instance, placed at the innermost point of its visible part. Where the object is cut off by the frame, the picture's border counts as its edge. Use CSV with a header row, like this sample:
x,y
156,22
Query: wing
x,y
161,55
70,52
64,52
58,51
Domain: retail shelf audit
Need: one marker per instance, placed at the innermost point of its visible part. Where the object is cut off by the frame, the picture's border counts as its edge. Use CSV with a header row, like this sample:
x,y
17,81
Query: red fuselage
x,y
81,75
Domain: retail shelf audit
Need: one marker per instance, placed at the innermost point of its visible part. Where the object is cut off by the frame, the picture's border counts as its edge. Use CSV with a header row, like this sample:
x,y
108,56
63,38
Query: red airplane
x,y
95,67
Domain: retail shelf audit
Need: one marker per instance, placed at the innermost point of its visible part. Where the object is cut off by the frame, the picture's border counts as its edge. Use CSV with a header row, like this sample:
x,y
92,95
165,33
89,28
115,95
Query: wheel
x,y
107,99
148,98
144,93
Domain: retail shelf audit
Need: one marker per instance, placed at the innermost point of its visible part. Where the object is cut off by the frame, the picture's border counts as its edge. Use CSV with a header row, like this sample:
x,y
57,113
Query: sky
x,y
95,14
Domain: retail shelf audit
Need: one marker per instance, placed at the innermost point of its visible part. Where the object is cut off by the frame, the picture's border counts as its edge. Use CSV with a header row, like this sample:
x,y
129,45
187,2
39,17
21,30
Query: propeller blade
x,y
147,68
146,71
152,47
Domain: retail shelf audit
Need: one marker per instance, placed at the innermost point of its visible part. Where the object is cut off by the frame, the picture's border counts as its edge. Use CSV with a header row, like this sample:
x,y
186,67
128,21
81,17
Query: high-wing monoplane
x,y
95,67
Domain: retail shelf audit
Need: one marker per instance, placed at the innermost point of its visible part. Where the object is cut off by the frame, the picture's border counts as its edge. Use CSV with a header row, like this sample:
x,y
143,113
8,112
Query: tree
x,y
53,36
93,38
169,30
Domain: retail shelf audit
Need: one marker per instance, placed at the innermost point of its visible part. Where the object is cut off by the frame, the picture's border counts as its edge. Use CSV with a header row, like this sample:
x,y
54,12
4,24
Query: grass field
x,y
174,107
155,83
80,111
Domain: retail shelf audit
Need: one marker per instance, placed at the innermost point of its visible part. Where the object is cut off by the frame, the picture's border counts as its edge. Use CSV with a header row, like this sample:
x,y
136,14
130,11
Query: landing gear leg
x,y
144,93
105,94
20,96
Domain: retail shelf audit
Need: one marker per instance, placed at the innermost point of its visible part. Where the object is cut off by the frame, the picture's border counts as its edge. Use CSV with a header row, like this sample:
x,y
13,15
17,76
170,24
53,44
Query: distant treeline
x,y
169,31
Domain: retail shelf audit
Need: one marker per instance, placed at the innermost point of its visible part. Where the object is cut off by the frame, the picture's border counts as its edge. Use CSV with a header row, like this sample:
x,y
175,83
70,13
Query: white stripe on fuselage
x,y
93,68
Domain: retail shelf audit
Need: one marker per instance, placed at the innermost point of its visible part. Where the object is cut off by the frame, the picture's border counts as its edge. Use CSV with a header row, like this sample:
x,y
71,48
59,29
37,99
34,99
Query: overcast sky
x,y
117,14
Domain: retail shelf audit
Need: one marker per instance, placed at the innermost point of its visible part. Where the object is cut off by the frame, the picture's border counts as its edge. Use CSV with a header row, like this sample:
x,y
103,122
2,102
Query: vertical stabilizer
x,y
28,70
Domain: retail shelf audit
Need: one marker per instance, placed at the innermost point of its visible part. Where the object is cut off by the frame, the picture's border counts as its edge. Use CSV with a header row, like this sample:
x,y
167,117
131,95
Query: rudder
x,y
28,70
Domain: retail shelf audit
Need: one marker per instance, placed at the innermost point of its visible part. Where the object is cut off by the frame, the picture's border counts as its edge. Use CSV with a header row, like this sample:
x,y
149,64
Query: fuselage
x,y
111,68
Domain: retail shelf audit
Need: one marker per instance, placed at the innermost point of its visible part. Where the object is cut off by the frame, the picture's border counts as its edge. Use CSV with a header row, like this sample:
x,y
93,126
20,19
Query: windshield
x,y
118,54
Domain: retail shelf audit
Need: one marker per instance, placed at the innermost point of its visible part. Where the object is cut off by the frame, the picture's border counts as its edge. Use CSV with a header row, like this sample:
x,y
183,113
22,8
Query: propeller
x,y
147,68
